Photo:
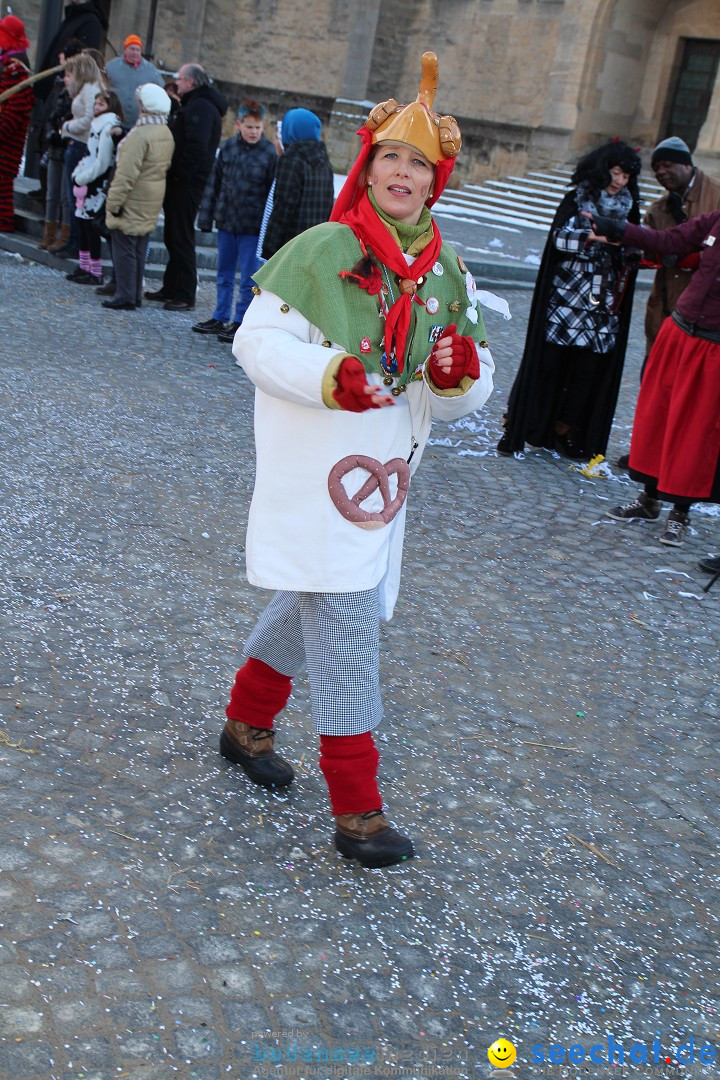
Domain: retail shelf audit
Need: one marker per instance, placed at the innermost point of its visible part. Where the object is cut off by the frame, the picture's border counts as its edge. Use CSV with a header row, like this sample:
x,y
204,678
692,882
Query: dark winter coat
x,y
196,128
56,111
84,21
304,193
238,186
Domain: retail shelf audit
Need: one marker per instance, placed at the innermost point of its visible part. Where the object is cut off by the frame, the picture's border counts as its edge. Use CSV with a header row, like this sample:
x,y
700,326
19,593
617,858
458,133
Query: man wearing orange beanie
x,y
129,71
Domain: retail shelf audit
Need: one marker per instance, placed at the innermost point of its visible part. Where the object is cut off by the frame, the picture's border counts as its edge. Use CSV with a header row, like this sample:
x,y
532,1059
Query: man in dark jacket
x,y
83,21
304,192
196,127
235,198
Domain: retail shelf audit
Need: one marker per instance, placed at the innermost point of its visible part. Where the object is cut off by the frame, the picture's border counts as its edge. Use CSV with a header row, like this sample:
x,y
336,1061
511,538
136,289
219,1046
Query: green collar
x,y
411,239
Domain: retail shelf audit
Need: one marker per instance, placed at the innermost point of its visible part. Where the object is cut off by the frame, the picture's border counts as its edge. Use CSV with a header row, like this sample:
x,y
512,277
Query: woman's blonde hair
x,y
82,69
99,60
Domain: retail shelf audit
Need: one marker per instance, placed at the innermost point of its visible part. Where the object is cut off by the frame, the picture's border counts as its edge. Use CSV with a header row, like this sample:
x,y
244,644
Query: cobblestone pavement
x,y
551,743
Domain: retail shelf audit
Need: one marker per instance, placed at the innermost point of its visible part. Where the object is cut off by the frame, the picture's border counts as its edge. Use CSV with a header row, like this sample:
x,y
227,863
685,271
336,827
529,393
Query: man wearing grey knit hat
x,y
672,149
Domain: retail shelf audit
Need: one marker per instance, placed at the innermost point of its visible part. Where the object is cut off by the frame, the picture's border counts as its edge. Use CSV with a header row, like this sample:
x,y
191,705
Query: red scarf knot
x,y
372,234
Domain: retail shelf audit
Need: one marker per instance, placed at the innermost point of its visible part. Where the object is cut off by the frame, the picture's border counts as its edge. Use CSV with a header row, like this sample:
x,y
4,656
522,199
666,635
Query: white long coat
x,y
297,539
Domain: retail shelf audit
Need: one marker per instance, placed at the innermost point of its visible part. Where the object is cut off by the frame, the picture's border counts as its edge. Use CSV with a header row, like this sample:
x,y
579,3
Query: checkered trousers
x,y
336,636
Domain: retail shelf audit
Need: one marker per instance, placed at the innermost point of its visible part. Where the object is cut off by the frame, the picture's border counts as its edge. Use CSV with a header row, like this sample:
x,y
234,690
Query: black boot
x,y
118,305
253,750
566,445
503,447
369,839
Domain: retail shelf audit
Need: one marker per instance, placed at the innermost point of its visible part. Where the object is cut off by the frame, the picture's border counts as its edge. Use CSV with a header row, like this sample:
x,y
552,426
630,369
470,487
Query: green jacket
x,y
305,274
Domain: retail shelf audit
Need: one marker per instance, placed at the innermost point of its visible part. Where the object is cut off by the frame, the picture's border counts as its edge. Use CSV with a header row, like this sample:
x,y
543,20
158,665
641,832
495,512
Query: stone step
x,y
522,202
528,201
29,221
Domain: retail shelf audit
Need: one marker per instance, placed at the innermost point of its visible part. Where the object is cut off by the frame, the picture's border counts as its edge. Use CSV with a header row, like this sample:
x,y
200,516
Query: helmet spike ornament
x,y
438,137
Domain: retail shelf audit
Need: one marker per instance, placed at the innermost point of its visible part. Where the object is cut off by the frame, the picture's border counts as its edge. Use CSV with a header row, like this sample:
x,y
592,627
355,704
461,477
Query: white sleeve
x,y
282,353
93,165
451,405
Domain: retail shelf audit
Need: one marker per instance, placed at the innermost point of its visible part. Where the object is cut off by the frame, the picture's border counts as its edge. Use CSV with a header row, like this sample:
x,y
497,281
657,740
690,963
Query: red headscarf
x,y
12,35
352,189
353,208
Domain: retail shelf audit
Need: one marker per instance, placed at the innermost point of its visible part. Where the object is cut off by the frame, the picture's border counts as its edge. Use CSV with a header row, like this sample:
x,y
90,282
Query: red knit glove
x,y
464,360
351,382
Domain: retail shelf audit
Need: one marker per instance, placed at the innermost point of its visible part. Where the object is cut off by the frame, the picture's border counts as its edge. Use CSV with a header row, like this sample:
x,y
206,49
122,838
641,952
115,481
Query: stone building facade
x,y
532,82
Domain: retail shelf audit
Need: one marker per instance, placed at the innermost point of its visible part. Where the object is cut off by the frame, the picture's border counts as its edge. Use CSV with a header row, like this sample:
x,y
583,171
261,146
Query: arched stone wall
x,y
533,82
630,65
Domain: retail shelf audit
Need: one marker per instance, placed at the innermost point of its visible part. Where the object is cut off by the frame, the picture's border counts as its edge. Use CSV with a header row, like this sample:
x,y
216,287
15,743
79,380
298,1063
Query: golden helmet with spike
x,y
438,137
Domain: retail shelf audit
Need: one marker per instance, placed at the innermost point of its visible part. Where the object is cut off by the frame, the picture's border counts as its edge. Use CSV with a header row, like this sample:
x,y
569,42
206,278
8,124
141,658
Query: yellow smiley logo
x,y
502,1053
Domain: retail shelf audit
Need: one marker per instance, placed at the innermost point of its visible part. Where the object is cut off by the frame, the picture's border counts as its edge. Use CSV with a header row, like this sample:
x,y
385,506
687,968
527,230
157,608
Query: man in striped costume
x,y
14,112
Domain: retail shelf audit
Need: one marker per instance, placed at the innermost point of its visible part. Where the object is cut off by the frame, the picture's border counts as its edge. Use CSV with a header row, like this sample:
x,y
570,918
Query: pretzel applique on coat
x,y
379,478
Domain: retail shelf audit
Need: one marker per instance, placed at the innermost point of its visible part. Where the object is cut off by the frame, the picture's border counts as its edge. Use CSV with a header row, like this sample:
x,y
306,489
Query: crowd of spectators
x,y
102,178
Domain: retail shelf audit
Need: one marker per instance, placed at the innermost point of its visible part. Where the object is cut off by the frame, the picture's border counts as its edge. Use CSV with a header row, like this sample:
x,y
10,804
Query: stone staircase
x,y
518,202
526,202
29,228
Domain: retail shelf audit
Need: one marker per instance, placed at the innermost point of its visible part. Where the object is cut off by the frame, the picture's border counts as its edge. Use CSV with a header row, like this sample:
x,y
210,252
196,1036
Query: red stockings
x,y
258,695
349,764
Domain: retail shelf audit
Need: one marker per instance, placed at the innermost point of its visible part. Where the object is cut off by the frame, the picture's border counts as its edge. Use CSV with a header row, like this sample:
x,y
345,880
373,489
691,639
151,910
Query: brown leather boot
x,y
61,240
49,234
252,749
369,839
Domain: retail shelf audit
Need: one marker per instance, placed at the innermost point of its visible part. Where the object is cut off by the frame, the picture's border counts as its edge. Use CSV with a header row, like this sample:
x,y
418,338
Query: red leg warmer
x,y
349,764
258,695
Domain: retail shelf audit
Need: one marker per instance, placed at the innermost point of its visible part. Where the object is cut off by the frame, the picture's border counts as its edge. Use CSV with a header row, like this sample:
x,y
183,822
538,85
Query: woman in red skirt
x,y
675,447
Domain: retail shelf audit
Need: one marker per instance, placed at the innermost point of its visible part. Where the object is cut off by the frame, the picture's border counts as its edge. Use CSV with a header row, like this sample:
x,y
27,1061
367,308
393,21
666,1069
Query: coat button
x,y
256,290
326,344
397,391
284,308
484,344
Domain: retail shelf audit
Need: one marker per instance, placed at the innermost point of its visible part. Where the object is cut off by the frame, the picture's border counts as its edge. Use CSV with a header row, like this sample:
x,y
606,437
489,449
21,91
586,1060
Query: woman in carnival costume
x,y
675,444
362,330
566,387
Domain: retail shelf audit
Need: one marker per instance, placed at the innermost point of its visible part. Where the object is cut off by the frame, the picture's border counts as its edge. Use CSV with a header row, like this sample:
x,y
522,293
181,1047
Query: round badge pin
x,y
433,305
438,270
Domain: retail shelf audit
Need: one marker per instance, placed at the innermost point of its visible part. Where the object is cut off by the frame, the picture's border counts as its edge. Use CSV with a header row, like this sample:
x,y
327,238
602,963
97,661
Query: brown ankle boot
x,y
61,240
49,234
253,750
369,839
